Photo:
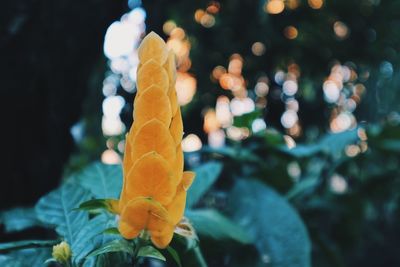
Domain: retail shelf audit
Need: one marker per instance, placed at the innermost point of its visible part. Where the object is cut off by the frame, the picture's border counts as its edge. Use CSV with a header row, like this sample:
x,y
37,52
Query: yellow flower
x,y
62,252
153,196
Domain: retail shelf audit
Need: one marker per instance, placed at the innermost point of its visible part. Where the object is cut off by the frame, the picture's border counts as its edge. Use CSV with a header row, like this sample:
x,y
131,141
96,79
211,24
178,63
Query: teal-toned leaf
x,y
57,209
50,261
26,258
390,145
120,245
174,254
92,237
277,229
19,219
206,175
211,223
247,119
302,151
102,180
150,252
239,153
301,186
332,144
6,247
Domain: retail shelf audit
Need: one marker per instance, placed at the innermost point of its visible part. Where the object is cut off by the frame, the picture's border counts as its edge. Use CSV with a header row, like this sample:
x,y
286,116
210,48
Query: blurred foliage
x,y
370,45
348,206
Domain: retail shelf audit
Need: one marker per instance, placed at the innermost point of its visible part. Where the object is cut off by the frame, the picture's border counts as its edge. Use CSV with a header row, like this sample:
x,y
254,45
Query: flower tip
x,y
153,46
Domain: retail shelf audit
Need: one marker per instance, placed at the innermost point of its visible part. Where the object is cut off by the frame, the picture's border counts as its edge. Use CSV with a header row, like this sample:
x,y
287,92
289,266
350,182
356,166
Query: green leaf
x,y
94,205
272,137
5,247
211,223
120,245
111,231
277,229
206,175
19,219
247,119
102,180
174,254
114,259
150,252
193,258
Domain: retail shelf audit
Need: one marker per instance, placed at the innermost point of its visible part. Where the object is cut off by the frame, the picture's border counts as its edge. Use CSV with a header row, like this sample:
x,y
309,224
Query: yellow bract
x,y
153,136
151,73
151,176
153,195
170,67
153,103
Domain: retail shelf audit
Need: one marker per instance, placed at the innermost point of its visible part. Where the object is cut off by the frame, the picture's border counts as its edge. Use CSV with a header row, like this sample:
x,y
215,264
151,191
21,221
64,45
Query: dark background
x,y
52,67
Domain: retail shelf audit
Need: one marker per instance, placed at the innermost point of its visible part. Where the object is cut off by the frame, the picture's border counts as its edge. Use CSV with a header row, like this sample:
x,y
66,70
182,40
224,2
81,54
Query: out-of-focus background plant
x,y
291,114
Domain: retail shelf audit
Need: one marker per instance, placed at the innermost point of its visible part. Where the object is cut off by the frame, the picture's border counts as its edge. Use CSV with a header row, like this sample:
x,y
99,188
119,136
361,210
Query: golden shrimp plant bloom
x,y
153,196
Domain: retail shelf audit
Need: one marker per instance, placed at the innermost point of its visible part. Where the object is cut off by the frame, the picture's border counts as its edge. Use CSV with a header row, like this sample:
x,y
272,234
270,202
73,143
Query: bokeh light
x,y
290,32
315,4
191,143
274,6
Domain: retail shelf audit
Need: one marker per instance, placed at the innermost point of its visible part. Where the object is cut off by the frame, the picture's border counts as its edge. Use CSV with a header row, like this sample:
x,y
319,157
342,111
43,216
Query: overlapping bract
x,y
153,196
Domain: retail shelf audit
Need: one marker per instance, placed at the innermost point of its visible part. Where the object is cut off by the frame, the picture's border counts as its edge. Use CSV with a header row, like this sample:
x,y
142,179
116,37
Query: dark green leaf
x,y
113,259
111,231
272,137
120,245
213,224
247,119
277,229
150,252
194,258
174,255
206,175
94,205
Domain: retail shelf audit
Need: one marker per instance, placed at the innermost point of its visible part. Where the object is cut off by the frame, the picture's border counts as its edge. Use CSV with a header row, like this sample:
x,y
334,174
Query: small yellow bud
x,y
62,252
